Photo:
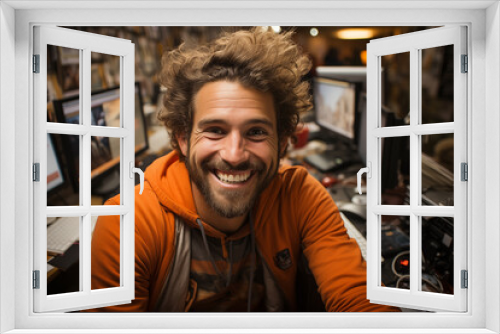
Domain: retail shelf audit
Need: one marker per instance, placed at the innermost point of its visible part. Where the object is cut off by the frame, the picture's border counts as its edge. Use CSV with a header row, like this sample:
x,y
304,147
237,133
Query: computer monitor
x,y
343,73
335,107
357,76
105,152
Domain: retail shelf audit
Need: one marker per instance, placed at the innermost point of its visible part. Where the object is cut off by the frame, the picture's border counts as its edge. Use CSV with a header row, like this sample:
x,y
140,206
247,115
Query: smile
x,y
233,176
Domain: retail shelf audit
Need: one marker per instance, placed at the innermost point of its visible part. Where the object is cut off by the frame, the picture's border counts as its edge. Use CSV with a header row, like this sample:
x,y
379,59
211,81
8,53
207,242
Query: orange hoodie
x,y
295,212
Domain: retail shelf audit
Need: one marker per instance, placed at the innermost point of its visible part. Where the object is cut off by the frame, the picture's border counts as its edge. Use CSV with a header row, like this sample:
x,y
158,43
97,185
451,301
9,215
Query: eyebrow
x,y
210,121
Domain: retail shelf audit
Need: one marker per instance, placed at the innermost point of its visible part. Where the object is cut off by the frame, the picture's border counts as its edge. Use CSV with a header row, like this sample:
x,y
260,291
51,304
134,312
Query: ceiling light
x,y
276,29
314,32
355,33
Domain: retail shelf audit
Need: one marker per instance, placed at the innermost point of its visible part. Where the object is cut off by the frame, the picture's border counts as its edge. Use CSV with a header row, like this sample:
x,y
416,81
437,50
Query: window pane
x,y
395,89
437,170
105,164
63,255
395,245
395,170
63,84
437,253
105,78
106,254
437,84
63,170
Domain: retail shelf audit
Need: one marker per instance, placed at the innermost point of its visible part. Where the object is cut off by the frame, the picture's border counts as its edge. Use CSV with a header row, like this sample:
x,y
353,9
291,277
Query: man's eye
x,y
216,131
257,133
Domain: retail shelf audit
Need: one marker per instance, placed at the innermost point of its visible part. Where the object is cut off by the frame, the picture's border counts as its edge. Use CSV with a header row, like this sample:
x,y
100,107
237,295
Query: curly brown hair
x,y
257,58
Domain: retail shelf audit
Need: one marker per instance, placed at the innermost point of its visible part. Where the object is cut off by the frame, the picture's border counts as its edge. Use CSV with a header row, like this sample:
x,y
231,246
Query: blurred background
x,y
330,142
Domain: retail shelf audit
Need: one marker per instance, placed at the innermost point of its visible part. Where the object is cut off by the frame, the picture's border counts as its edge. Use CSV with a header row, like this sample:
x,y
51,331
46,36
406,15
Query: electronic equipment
x,y
335,113
105,152
55,177
355,75
335,107
345,73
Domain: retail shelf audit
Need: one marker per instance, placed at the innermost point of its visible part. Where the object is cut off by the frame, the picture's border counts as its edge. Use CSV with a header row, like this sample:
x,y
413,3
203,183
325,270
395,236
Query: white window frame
x,y
85,43
483,20
413,44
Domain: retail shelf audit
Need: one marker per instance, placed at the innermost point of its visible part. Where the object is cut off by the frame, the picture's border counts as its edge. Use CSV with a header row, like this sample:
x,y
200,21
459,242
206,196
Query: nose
x,y
234,151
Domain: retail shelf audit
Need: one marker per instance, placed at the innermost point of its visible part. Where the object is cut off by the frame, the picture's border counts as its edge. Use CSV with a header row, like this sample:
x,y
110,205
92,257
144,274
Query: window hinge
x,y
464,171
465,64
36,172
36,279
465,279
36,63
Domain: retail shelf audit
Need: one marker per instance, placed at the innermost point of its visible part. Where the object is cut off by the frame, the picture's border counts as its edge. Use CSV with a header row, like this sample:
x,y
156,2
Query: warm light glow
x,y
314,32
276,29
363,56
405,263
355,33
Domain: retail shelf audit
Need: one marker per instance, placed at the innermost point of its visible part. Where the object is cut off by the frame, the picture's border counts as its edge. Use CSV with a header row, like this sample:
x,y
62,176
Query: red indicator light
x,y
405,263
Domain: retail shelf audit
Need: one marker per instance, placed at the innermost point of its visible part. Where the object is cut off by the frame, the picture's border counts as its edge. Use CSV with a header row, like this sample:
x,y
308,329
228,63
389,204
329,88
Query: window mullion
x,y
107,131
434,128
415,166
406,210
85,168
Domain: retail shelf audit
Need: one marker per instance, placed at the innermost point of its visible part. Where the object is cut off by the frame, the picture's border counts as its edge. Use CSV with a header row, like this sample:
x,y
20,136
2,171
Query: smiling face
x,y
233,151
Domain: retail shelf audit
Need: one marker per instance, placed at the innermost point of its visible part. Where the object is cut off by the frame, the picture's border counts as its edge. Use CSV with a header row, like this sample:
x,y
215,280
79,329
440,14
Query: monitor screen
x,y
105,111
54,173
335,106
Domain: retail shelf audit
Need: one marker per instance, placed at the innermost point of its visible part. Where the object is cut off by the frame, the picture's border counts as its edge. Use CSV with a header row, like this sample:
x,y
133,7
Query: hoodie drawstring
x,y
230,271
207,249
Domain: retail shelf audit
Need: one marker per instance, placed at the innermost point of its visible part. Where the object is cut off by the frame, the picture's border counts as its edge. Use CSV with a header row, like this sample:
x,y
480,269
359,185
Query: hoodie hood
x,y
169,180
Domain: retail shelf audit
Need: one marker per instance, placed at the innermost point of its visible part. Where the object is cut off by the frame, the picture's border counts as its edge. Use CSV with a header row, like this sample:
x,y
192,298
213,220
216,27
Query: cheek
x,y
266,150
201,147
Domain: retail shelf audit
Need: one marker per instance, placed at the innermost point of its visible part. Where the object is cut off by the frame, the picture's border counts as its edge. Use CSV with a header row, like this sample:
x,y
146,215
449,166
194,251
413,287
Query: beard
x,y
236,202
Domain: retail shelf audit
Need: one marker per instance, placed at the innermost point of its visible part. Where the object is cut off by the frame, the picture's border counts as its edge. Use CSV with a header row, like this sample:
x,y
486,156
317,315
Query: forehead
x,y
223,99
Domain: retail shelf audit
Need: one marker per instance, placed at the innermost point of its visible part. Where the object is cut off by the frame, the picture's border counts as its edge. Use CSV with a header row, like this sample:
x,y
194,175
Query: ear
x,y
183,143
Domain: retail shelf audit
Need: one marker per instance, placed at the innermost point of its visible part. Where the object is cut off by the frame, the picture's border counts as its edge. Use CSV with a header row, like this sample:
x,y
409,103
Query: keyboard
x,y
354,233
330,160
64,232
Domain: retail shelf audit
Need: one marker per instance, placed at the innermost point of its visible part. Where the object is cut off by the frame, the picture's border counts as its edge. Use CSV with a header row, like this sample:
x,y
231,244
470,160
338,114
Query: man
x,y
220,225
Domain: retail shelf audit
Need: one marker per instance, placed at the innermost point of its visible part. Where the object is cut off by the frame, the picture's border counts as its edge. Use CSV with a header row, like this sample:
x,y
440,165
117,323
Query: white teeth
x,y
230,178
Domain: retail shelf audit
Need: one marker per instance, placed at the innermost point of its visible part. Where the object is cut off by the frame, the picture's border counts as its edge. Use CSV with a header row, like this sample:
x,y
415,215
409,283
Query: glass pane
x,y
105,165
105,253
437,84
437,170
63,170
63,84
105,79
395,170
63,255
437,254
395,89
395,246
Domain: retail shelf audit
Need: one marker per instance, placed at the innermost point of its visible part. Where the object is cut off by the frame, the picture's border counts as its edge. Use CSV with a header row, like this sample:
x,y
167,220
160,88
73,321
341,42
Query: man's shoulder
x,y
294,176
286,172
